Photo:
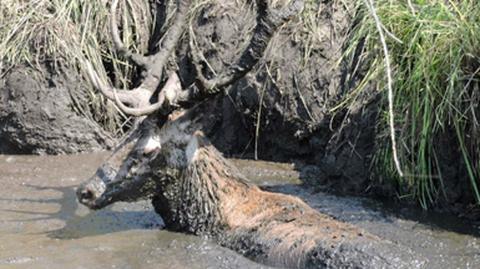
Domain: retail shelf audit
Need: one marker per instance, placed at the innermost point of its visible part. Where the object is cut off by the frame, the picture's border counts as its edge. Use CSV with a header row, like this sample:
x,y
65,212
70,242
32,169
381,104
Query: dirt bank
x,y
282,110
286,109
39,113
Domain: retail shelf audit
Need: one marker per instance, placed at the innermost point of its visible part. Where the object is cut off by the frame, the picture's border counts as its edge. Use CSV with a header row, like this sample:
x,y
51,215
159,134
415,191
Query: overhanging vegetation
x,y
434,49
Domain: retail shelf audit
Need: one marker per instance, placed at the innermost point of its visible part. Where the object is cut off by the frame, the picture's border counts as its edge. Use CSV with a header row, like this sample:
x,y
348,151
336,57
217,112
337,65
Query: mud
x,y
38,114
42,226
443,239
288,93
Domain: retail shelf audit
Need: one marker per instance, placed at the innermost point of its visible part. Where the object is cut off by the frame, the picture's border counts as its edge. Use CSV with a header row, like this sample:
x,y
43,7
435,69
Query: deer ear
x,y
153,144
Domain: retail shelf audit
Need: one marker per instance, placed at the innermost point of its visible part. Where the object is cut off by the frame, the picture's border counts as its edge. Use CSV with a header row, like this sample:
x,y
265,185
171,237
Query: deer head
x,y
159,145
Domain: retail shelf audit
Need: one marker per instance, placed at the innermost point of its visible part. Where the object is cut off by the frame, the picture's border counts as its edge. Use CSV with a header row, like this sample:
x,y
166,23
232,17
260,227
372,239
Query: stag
x,y
167,157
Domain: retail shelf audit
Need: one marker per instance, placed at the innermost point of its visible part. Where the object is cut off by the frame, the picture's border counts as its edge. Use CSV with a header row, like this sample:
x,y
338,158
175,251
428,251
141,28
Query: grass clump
x,y
435,51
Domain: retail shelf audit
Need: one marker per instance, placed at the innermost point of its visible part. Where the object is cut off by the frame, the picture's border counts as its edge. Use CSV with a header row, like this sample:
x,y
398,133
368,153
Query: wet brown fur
x,y
196,190
287,227
215,199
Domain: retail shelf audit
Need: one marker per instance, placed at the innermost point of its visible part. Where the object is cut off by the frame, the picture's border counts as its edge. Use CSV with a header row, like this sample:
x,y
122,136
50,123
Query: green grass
x,y
435,51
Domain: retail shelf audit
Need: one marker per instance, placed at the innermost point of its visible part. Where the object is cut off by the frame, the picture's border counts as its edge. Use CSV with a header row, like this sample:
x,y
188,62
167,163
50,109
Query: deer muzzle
x,y
91,194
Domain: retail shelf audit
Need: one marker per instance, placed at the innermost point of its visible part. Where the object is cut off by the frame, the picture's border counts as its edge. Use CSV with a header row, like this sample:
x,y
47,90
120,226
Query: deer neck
x,y
204,193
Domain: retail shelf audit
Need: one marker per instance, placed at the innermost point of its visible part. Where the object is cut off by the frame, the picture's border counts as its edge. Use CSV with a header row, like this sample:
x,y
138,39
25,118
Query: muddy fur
x,y
210,197
201,192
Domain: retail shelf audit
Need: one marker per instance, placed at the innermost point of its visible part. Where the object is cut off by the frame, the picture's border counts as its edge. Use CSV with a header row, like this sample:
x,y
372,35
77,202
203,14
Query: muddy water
x,y
42,225
444,240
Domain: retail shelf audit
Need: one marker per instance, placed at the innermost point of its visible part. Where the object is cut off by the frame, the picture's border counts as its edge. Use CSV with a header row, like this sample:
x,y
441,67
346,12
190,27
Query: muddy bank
x,y
288,93
284,109
42,225
41,113
280,110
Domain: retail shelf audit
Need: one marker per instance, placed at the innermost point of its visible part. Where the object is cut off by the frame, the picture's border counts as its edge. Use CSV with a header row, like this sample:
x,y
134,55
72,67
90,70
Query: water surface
x,y
43,226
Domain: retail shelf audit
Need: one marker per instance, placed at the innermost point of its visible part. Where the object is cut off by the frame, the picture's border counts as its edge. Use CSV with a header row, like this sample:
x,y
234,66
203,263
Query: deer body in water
x,y
196,190
166,157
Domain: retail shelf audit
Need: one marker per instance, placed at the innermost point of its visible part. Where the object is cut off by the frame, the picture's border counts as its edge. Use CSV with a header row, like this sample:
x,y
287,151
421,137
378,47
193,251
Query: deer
x,y
167,157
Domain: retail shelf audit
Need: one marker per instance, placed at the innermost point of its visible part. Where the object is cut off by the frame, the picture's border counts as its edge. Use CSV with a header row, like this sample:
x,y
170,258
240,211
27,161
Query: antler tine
x,y
268,21
167,47
172,88
138,59
109,92
166,98
121,97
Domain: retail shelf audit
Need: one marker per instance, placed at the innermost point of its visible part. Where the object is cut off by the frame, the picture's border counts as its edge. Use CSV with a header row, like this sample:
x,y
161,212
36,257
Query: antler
x,y
139,98
268,21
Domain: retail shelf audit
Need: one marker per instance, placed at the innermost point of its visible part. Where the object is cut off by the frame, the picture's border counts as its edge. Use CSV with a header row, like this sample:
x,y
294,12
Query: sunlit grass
x,y
434,47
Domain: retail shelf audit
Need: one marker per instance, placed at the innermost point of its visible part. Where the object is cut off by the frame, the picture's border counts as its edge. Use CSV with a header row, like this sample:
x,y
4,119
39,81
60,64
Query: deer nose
x,y
85,195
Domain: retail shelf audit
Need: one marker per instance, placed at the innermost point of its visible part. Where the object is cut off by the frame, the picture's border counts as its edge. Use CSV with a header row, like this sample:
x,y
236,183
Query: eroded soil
x,y
43,226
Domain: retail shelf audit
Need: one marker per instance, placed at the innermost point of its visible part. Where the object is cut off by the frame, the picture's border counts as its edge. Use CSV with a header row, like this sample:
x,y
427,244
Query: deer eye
x,y
149,153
